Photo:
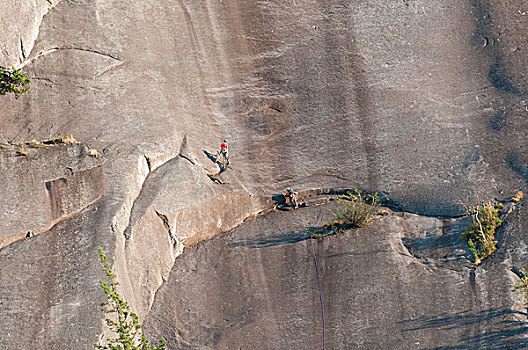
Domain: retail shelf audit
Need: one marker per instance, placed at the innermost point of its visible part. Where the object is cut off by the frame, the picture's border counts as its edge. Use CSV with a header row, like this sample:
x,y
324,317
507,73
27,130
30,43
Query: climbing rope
x,y
320,292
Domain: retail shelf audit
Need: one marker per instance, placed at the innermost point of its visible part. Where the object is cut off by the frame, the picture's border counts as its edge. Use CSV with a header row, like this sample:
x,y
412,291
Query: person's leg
x,y
223,162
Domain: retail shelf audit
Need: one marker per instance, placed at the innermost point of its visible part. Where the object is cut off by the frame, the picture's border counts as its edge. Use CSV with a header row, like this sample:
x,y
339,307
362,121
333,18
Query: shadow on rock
x,y
272,240
222,167
278,199
518,165
439,243
505,337
291,236
211,156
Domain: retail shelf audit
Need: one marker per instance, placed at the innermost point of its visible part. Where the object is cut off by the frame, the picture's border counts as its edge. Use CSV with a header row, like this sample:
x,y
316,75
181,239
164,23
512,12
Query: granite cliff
x,y
421,101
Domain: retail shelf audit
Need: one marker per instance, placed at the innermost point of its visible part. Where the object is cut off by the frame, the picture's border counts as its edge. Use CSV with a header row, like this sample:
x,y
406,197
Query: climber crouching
x,y
292,198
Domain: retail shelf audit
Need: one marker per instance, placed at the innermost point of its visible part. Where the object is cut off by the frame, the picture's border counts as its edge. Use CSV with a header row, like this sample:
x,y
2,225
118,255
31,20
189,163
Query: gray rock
x,y
420,101
258,287
45,186
49,286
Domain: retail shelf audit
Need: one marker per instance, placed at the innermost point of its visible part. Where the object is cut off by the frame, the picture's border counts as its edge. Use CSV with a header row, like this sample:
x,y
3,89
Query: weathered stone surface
x,y
178,204
49,286
369,74
423,101
45,186
257,287
20,23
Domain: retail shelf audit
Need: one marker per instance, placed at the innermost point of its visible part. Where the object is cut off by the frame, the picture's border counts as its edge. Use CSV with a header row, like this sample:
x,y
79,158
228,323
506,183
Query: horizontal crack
x,y
211,176
58,48
44,79
16,237
109,68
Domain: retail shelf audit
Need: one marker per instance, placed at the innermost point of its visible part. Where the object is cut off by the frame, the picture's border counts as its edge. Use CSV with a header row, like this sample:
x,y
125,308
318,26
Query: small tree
x,y
358,209
480,234
124,323
13,81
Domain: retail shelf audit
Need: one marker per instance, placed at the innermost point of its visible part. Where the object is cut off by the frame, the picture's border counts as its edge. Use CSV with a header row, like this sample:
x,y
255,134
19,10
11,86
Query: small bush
x,y
22,152
94,153
522,286
358,209
59,139
480,234
13,81
124,323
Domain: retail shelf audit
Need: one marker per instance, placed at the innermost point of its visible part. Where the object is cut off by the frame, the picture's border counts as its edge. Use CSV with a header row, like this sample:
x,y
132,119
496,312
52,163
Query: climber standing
x,y
223,152
291,197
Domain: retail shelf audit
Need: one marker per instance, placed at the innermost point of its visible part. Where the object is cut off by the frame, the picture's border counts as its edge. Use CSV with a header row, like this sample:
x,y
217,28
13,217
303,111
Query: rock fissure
x,y
149,165
43,79
29,34
176,244
165,220
29,234
22,54
183,148
59,48
150,170
188,159
109,68
210,175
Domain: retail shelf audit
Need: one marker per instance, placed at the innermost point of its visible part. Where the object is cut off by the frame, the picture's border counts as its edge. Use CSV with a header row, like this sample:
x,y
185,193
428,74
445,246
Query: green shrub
x,y
480,234
124,323
358,209
13,81
522,286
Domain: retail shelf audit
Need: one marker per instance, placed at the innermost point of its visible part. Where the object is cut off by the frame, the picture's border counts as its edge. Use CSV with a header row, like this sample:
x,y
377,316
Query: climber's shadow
x,y
278,199
211,156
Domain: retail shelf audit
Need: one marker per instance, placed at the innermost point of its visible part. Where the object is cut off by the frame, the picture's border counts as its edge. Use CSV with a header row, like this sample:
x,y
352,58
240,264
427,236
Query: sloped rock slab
x,y
257,287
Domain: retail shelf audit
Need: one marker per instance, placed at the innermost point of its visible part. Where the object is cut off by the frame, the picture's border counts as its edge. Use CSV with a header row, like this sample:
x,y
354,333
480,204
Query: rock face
x,y
423,102
43,186
258,287
20,28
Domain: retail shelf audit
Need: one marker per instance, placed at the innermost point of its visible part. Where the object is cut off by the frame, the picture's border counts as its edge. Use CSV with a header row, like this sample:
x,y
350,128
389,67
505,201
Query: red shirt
x,y
223,145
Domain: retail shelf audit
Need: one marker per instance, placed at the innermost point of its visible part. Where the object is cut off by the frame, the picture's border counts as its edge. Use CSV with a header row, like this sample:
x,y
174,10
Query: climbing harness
x,y
320,292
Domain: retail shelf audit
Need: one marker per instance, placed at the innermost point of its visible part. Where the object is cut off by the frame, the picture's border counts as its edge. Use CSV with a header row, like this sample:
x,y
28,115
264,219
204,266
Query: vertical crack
x,y
22,54
149,165
165,220
177,244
